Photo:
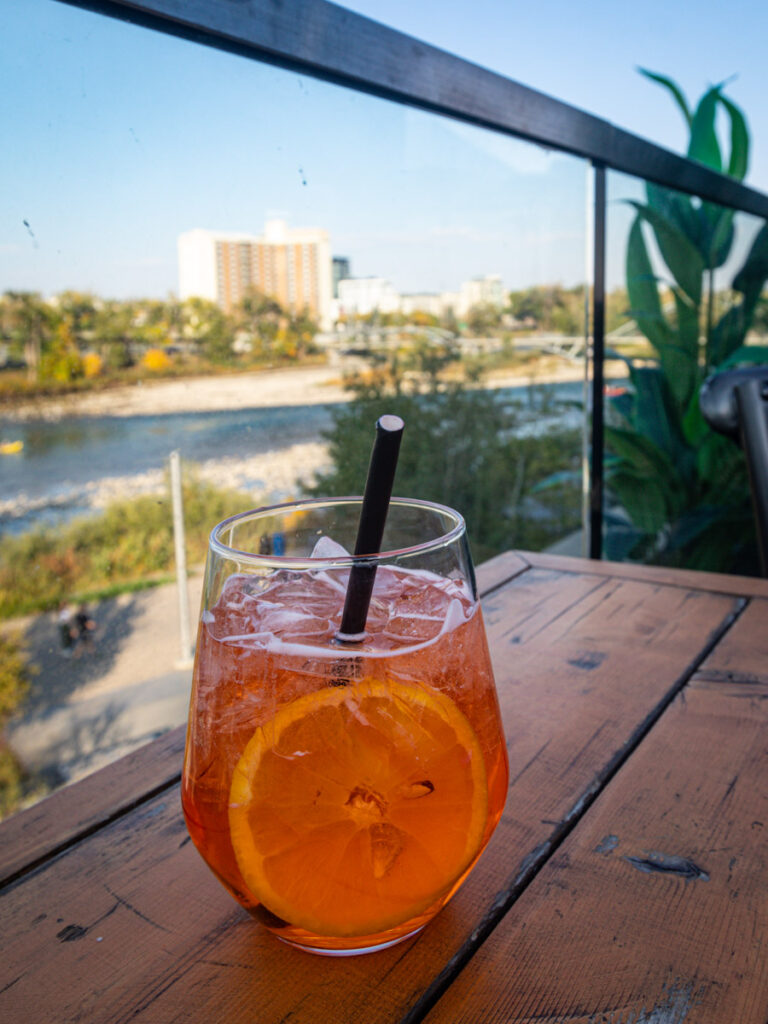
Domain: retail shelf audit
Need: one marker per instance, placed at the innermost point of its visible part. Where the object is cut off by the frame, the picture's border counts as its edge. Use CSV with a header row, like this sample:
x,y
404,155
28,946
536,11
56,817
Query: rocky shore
x,y
269,478
313,385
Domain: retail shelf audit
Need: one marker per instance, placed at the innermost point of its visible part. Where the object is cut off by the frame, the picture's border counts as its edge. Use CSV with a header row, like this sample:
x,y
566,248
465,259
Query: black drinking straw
x,y
370,530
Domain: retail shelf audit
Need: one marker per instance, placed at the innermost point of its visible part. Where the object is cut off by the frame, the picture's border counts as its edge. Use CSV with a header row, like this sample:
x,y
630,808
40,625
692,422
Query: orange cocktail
x,y
342,792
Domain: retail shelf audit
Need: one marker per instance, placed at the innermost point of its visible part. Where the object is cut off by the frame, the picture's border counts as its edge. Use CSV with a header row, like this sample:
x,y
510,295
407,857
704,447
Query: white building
x,y
480,291
426,302
291,265
359,296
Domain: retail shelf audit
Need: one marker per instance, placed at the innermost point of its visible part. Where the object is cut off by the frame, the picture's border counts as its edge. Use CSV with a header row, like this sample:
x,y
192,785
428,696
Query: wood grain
x,y
500,569
655,909
742,656
41,831
583,664
690,579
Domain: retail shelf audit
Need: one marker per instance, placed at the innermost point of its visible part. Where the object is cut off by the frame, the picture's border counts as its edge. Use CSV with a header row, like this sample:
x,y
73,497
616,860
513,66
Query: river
x,y
73,465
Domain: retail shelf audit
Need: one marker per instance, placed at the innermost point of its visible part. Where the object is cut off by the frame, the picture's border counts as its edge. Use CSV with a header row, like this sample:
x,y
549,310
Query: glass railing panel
x,y
209,255
686,299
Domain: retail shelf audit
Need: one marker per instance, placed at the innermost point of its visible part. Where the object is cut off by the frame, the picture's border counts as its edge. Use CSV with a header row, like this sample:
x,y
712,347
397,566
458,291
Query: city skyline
x,y
294,265
124,138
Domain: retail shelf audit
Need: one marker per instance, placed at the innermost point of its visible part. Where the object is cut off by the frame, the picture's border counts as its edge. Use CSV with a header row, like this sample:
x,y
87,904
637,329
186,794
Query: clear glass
x,y
470,260
342,792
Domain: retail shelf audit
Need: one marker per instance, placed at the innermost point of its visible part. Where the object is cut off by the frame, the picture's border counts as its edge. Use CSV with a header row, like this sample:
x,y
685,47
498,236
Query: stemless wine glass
x,y
342,791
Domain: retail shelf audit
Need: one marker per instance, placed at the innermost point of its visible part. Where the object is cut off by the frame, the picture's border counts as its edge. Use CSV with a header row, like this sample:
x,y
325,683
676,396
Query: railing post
x,y
185,659
598,360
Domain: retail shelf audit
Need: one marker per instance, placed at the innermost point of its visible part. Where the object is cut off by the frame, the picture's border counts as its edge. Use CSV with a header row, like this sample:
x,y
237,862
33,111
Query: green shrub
x,y
132,540
460,448
14,681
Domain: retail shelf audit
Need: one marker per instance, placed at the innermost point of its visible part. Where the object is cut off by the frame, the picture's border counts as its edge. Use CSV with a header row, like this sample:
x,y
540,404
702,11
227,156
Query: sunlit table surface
x,y
626,884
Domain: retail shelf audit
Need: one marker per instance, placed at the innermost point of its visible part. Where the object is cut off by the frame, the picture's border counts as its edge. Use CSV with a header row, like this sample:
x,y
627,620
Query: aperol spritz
x,y
342,792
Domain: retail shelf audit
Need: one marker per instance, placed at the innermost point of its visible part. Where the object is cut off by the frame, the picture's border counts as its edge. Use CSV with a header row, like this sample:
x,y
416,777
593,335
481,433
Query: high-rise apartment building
x,y
292,265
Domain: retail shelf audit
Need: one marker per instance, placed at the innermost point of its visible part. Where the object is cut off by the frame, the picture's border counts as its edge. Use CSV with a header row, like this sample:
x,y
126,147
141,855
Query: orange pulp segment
x,y
357,807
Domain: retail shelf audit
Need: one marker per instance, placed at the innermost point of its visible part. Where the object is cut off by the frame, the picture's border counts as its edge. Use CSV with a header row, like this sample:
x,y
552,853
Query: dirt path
x,y
125,689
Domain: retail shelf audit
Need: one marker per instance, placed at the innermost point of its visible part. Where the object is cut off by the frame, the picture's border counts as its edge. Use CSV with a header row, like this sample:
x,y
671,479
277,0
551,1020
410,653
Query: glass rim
x,y
224,550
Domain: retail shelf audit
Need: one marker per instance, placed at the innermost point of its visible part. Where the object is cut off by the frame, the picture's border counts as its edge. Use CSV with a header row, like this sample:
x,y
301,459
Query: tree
x,y
459,448
483,319
61,361
261,317
210,327
27,324
113,333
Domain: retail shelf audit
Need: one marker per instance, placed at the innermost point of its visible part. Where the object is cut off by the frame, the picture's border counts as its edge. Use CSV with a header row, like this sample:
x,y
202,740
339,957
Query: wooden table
x,y
626,884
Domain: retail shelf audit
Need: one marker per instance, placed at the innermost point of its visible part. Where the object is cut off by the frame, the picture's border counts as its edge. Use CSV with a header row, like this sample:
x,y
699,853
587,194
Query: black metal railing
x,y
324,40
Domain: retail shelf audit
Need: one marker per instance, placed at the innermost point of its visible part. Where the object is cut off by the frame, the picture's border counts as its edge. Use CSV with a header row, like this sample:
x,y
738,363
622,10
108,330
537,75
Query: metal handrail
x,y
329,42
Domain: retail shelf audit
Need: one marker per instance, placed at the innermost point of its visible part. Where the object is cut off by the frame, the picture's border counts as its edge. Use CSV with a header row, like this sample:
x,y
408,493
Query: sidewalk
x,y
128,688
83,712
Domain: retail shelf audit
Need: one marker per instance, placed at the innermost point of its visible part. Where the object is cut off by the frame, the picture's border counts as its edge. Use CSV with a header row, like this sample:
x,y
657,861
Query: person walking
x,y
84,627
67,629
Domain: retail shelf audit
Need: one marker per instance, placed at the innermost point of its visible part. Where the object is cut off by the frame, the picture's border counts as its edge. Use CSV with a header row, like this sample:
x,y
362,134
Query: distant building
x,y
291,265
426,302
340,272
359,296
480,291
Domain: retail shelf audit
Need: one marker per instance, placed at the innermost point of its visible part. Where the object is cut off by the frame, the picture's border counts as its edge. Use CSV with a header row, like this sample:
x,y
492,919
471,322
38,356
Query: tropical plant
x,y
683,489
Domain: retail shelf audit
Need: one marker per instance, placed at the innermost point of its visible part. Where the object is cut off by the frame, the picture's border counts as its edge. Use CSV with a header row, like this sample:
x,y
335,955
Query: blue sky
x,y
117,139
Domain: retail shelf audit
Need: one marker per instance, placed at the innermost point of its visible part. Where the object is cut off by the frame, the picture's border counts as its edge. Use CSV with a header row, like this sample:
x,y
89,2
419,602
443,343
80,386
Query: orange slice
x,y
356,808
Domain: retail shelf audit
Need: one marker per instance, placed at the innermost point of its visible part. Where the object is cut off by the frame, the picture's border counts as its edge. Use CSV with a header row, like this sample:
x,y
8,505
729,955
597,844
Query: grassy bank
x,y
128,546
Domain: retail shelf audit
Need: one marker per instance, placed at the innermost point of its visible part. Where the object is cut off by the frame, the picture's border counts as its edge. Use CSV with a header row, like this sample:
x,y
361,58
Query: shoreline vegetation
x,y
246,389
128,544
126,538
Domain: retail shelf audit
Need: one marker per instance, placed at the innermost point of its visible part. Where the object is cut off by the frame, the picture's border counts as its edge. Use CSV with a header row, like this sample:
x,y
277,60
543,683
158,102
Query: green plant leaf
x,y
710,535
752,276
677,208
703,145
728,335
678,252
747,355
710,457
622,408
695,427
655,413
641,456
645,307
674,89
681,360
715,233
739,161
642,499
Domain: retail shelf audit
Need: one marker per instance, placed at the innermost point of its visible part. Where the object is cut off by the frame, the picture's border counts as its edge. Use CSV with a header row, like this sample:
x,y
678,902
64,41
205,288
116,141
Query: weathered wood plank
x,y
718,583
30,836
742,656
655,908
582,663
499,570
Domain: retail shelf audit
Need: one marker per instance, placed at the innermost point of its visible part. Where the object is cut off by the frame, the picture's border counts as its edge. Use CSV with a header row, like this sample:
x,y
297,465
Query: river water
x,y
70,466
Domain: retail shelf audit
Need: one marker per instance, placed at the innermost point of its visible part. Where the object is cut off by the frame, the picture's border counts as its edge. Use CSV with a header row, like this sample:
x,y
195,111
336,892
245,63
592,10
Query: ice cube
x,y
328,548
